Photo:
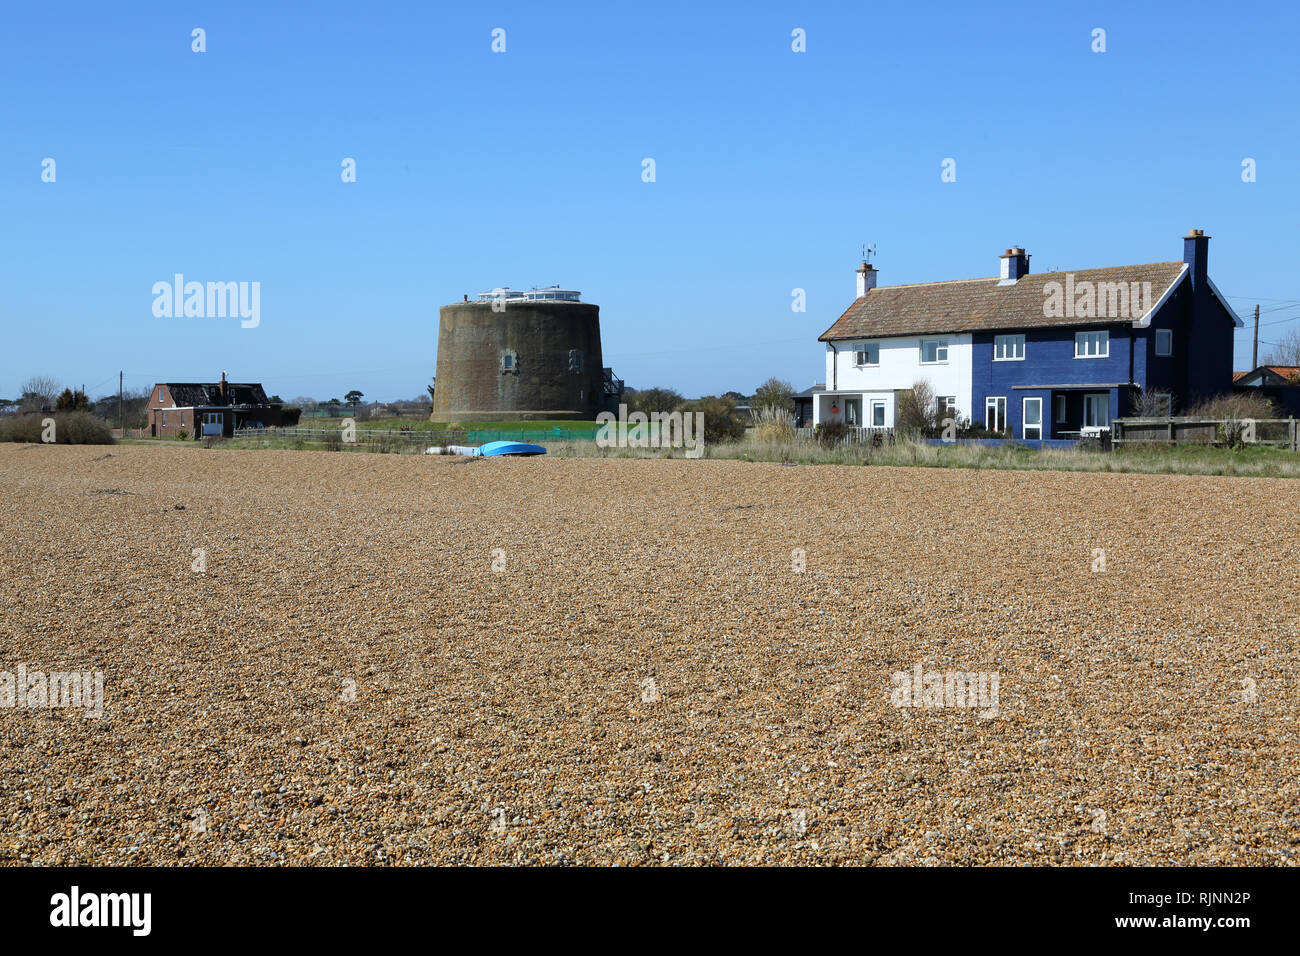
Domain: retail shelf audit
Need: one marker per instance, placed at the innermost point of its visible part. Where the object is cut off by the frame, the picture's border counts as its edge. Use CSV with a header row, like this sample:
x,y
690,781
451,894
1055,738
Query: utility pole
x,y
1254,355
121,423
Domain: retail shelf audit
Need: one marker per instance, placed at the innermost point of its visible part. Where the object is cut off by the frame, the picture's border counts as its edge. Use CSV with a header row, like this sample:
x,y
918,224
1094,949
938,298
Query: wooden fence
x,y
854,436
1279,432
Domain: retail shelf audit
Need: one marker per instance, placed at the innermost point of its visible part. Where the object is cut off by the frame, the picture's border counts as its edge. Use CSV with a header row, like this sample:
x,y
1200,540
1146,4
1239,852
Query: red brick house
x,y
217,408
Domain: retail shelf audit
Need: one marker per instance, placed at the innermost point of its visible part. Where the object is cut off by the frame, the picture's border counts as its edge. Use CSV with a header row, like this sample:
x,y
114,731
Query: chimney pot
x,y
866,278
1015,264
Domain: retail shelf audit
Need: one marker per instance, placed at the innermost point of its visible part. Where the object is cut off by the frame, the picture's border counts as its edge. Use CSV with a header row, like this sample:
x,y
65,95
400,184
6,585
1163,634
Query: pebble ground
x,y
644,678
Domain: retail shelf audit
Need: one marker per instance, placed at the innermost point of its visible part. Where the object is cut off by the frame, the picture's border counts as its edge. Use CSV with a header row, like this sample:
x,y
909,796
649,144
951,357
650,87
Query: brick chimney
x,y
866,278
1015,264
222,387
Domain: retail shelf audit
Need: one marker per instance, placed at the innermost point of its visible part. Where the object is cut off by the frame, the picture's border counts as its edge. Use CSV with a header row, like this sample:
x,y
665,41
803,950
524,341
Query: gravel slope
x,y
351,682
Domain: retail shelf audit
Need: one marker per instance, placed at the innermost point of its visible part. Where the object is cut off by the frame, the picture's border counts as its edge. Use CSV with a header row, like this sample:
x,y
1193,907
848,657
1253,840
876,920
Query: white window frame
x,y
1100,338
946,406
1008,348
878,405
1090,399
1060,409
1168,336
940,351
861,354
998,405
1024,418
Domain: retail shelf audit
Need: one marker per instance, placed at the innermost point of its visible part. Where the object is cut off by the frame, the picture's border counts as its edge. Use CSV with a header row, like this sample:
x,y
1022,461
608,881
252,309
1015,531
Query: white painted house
x,y
864,377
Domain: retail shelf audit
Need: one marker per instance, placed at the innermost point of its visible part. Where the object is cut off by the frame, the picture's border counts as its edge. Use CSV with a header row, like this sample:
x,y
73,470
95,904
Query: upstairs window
x,y
575,360
1164,342
934,351
868,353
1091,344
1008,348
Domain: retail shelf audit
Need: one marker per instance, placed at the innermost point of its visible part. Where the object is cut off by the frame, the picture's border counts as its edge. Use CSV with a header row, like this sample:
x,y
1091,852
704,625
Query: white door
x,y
1031,428
995,413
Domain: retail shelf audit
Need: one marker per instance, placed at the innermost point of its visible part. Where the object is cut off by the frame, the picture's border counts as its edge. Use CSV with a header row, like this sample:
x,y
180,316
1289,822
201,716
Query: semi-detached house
x,y
1038,356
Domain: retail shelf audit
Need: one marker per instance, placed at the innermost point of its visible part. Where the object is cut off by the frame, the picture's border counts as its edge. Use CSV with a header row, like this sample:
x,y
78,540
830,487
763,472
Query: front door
x,y
995,413
853,411
1032,419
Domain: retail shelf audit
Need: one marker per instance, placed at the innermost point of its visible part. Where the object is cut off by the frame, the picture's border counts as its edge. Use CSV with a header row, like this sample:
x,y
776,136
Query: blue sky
x,y
477,169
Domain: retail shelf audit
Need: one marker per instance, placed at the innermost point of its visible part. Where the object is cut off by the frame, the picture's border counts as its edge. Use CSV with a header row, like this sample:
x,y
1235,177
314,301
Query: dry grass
x,y
505,717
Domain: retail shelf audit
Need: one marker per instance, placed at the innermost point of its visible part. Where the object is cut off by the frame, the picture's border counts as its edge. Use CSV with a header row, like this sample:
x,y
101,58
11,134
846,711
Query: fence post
x,y
1292,436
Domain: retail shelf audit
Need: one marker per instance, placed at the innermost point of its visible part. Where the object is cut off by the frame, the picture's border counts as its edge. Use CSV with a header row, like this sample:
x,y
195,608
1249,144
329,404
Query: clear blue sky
x,y
478,169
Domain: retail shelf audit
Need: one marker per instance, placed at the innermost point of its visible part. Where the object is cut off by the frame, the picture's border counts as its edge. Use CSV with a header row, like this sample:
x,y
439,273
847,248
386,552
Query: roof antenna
x,y
867,252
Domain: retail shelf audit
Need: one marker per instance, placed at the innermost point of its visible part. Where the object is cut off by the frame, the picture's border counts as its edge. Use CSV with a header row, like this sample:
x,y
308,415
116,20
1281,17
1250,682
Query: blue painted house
x,y
1043,356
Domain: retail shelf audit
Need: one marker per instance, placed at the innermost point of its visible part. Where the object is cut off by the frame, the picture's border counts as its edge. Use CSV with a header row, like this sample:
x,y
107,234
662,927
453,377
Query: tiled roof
x,y
971,305
1284,372
190,394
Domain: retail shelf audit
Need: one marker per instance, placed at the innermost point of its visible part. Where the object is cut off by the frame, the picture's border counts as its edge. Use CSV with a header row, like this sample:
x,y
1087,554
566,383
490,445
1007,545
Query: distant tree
x,y
354,397
722,423
429,388
736,397
276,400
70,401
653,400
1286,351
774,393
306,403
39,391
334,405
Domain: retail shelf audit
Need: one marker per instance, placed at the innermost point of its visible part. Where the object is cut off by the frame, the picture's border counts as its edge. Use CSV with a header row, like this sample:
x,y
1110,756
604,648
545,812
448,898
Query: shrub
x,y
773,423
722,423
917,412
830,434
70,428
182,434
1235,405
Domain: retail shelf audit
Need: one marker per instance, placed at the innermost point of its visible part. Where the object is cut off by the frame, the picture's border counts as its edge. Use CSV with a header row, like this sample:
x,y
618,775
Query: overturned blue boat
x,y
490,450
